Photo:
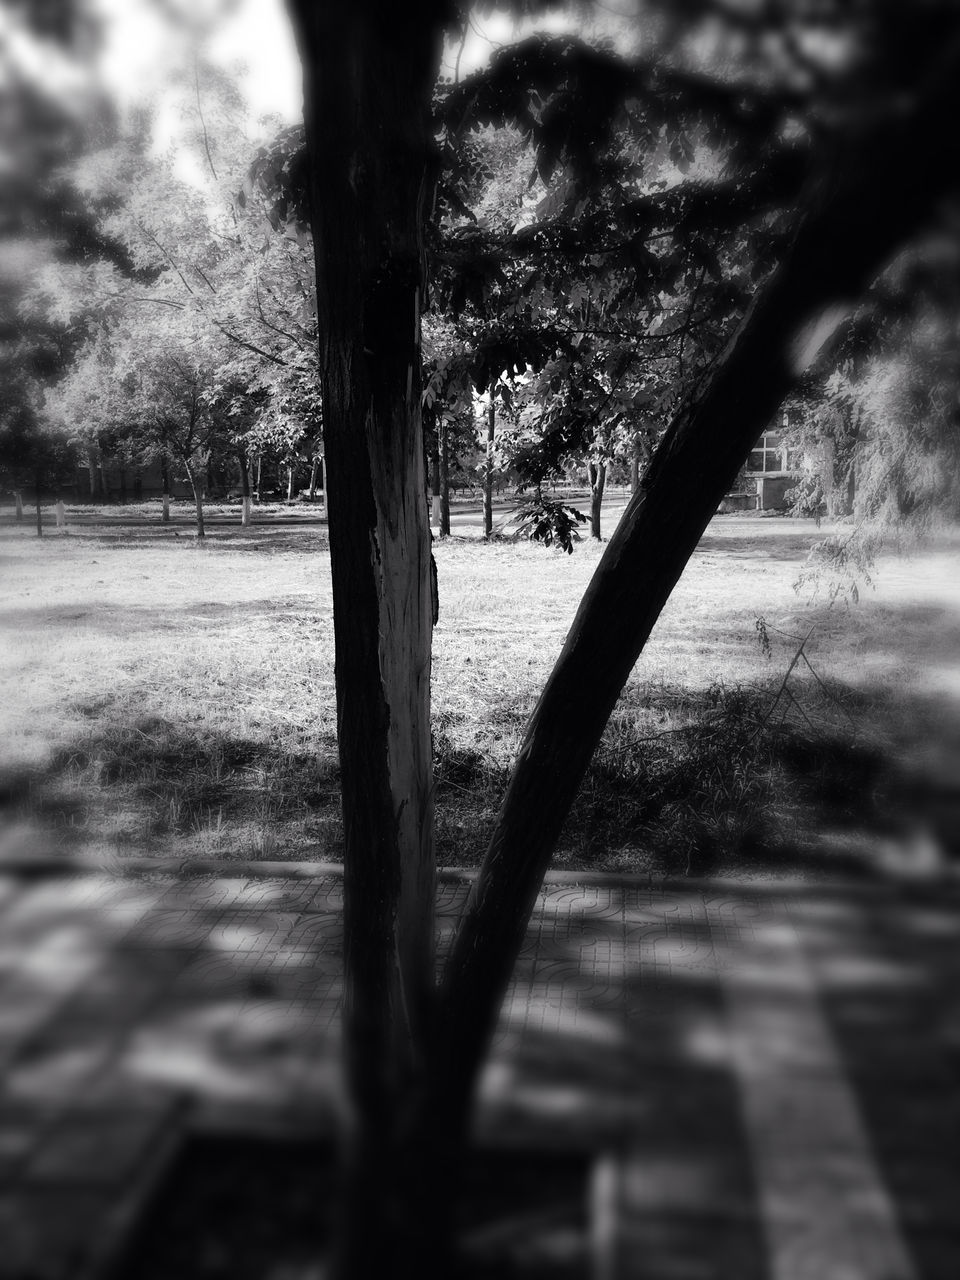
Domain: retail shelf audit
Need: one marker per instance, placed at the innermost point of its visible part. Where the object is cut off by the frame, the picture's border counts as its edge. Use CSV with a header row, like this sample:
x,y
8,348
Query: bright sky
x,y
142,49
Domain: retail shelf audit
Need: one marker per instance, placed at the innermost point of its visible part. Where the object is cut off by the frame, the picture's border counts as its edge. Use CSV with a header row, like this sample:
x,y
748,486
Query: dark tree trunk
x,y
246,503
37,483
259,471
314,467
836,253
123,485
18,506
165,489
444,480
93,474
598,479
137,486
488,470
369,73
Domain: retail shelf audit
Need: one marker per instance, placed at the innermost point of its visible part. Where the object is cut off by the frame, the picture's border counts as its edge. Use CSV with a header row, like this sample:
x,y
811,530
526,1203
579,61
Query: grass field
x,y
168,698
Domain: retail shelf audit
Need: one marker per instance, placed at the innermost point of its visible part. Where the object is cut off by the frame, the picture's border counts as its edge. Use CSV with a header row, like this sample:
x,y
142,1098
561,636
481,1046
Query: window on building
x,y
770,455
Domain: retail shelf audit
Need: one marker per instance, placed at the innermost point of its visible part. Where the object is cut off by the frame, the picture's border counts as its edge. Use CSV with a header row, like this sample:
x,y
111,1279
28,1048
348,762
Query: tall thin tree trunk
x,y
314,466
370,70
635,464
488,470
598,477
37,483
92,473
246,502
435,476
104,482
259,472
444,480
123,485
18,506
197,487
290,482
165,488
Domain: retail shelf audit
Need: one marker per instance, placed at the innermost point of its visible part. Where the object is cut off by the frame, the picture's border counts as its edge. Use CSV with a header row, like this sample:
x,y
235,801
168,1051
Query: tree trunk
x,y
123,485
369,72
259,468
488,470
247,504
197,488
165,488
18,506
635,464
289,482
104,482
834,256
37,482
598,478
444,480
435,477
314,465
137,486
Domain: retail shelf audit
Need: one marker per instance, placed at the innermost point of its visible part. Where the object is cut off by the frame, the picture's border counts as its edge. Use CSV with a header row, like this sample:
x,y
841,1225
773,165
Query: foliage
x,y
546,520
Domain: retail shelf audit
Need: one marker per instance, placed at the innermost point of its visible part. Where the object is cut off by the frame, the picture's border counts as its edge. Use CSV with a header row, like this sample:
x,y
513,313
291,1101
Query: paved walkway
x,y
768,1075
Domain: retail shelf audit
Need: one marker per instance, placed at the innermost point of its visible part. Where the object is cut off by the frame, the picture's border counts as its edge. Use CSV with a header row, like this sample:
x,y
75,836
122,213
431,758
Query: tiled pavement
x,y
768,1074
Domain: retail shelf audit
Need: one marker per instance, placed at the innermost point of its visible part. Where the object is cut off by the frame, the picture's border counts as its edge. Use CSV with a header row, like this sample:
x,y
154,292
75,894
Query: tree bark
x,y
104,482
165,488
369,72
488,470
598,478
314,464
246,503
435,476
444,480
18,506
290,470
197,488
835,254
37,482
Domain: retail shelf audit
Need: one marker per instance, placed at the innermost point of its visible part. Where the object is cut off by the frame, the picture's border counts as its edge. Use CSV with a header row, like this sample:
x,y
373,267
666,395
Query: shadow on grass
x,y
684,782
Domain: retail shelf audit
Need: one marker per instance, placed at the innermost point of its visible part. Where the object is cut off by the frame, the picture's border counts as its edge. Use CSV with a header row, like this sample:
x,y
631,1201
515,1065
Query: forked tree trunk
x,y
444,480
488,470
165,489
245,499
598,479
370,67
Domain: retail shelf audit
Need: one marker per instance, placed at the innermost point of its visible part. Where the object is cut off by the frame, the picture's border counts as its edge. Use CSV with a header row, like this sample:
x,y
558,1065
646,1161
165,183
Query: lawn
x,y
172,699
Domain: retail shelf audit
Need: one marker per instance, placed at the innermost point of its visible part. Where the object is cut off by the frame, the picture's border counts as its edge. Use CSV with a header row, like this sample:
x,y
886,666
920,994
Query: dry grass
x,y
165,697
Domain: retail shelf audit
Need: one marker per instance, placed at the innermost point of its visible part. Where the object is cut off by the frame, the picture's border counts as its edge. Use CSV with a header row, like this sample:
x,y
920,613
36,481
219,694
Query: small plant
x,y
548,521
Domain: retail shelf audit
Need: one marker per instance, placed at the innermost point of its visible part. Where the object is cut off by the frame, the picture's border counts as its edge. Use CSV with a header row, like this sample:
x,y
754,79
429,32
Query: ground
x,y
170,698
760,1076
